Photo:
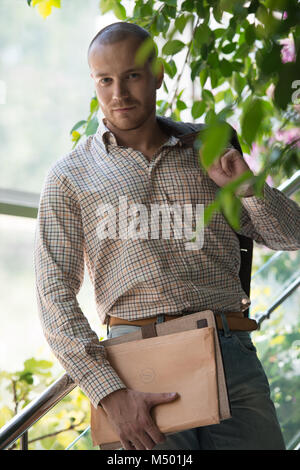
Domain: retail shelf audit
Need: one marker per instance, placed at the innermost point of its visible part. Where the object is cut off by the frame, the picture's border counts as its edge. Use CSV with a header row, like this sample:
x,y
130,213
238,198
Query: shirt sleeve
x,y
272,220
59,273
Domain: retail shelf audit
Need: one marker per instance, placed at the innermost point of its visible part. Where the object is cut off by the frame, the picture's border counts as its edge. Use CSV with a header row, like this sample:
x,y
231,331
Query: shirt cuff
x,y
260,205
97,385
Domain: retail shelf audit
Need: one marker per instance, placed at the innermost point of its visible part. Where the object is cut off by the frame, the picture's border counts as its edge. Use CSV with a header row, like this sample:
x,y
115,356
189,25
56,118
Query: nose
x,y
120,89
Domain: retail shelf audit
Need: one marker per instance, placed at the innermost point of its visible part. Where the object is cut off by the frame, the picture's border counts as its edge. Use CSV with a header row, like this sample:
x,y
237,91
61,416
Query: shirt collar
x,y
108,138
106,135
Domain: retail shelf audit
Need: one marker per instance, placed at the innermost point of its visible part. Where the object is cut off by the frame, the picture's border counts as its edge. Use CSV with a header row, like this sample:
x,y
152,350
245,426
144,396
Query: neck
x,y
147,136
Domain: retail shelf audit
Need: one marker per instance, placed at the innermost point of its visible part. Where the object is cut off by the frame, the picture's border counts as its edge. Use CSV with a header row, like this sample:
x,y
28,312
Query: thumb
x,y
156,398
226,163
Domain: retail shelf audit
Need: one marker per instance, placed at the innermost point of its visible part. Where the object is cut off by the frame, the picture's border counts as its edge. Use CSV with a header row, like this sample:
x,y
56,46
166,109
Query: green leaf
x,y
144,51
214,77
198,109
231,207
27,377
208,97
219,32
226,68
219,96
228,48
250,34
119,11
188,5
77,125
251,120
203,76
92,126
162,107
210,117
75,136
171,3
181,105
160,23
169,12
269,60
213,59
196,67
284,89
218,13
228,96
238,82
94,105
33,365
180,22
106,5
214,139
203,34
170,67
204,51
210,210
173,47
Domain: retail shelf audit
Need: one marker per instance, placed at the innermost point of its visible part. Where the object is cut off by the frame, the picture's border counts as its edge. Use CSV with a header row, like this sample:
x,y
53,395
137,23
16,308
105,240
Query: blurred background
x,y
45,88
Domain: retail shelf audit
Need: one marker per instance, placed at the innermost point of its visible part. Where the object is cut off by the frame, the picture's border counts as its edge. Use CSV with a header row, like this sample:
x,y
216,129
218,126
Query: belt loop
x,y
160,318
226,328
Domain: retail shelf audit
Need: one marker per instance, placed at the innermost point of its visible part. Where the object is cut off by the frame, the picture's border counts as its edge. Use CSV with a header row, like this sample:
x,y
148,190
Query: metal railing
x,y
23,204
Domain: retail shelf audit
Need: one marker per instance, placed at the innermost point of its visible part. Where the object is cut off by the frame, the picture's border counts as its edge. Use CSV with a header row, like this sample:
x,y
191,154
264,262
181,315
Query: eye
x,y
103,81
133,75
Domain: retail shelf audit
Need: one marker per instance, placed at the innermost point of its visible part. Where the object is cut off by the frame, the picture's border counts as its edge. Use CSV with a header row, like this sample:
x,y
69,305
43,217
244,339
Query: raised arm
x,y
272,220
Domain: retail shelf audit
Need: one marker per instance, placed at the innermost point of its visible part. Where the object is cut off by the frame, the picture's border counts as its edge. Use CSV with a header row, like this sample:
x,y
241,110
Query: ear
x,y
159,74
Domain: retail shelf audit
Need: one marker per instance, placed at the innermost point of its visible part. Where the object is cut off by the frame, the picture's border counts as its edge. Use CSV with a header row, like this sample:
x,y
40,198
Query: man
x,y
146,159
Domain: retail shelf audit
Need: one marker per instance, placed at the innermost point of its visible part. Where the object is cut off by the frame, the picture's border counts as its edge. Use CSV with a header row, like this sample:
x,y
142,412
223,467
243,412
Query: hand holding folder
x,y
129,412
185,357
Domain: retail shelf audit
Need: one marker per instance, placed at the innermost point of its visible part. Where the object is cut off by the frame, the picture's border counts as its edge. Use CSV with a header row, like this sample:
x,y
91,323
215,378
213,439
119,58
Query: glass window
x,y
45,85
21,333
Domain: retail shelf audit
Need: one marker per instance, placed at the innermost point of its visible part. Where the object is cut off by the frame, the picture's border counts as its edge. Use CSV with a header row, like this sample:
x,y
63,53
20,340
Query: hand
x,y
227,168
129,413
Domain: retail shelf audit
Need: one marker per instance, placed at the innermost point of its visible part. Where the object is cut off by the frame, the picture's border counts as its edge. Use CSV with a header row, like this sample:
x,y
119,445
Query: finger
x,y
226,163
137,444
147,441
127,445
157,398
155,434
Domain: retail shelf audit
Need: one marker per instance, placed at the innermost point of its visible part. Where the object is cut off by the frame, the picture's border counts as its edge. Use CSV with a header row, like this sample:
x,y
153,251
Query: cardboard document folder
x,y
181,355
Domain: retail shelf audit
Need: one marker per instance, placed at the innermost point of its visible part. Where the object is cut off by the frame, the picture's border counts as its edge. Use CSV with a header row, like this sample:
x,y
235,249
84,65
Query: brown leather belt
x,y
236,321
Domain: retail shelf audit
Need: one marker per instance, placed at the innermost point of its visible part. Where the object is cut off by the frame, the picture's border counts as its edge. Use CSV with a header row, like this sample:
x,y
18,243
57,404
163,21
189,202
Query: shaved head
x,y
117,32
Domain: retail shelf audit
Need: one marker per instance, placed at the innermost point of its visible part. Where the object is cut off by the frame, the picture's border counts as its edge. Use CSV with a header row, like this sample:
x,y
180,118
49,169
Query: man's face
x,y
126,93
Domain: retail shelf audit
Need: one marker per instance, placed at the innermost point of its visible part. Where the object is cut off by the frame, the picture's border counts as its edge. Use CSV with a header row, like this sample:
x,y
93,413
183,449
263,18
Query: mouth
x,y
124,110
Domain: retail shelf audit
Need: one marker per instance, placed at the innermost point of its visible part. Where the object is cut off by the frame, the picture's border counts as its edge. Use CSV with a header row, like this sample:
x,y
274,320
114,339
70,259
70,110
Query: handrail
x,y
19,203
37,408
291,185
20,423
286,293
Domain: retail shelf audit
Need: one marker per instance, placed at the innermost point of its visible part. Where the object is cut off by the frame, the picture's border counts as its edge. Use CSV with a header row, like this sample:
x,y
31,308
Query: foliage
x,y
44,7
243,57
279,351
61,425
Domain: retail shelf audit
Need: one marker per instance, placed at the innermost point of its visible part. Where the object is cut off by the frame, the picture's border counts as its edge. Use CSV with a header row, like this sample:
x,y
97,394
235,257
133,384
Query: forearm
x,y
273,220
